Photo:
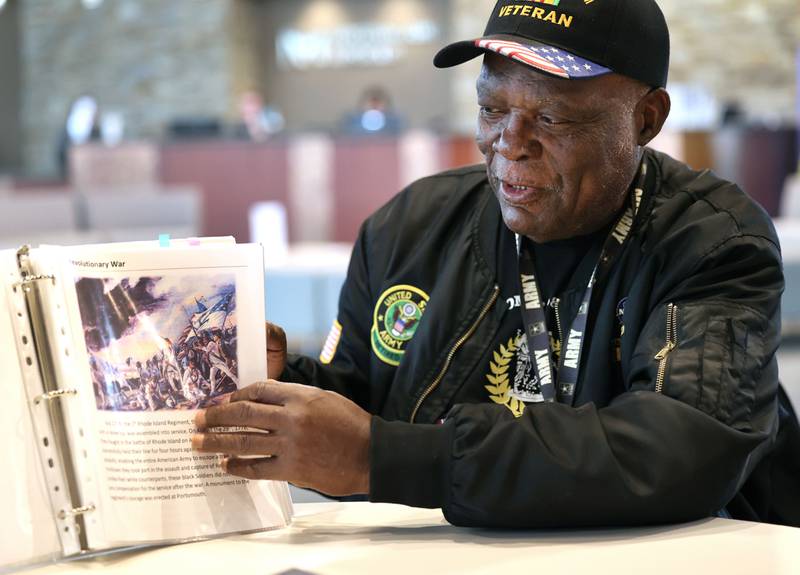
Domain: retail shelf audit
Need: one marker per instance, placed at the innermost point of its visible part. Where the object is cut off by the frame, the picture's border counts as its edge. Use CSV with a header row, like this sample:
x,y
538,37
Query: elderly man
x,y
580,332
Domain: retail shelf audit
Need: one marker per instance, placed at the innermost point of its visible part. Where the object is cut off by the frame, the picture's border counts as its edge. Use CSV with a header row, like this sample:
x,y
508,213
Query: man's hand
x,y
276,350
316,438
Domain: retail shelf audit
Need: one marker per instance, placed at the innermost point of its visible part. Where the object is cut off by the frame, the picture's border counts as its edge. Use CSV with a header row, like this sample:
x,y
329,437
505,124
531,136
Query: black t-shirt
x,y
563,269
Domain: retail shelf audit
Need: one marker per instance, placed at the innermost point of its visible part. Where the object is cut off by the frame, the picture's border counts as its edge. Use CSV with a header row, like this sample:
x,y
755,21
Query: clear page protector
x,y
158,333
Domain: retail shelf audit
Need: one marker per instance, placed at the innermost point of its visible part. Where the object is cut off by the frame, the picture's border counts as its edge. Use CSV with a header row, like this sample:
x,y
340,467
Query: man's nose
x,y
518,140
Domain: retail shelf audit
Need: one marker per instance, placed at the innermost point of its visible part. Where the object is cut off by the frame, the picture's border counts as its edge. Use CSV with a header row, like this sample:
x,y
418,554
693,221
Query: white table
x,y
347,538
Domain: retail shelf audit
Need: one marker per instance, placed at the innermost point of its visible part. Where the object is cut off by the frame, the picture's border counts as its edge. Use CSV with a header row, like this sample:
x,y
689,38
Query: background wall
x,y
156,60
732,51
148,59
742,51
318,97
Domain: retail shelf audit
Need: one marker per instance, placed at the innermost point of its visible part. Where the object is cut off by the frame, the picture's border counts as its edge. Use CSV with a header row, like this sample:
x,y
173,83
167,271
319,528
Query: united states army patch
x,y
395,321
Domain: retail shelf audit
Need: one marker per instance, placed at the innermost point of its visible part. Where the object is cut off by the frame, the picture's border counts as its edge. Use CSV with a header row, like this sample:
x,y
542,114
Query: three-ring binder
x,y
35,278
27,280
35,286
64,513
54,395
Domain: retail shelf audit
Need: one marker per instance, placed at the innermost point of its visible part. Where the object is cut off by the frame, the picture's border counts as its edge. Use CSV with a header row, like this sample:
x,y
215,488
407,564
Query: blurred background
x,y
290,122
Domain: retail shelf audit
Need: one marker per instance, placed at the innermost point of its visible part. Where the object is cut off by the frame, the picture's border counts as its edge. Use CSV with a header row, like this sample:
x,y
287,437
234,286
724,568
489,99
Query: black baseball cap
x,y
574,38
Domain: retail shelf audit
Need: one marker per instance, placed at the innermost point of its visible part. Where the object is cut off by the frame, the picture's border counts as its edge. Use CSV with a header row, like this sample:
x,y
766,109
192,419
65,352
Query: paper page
x,y
28,528
158,334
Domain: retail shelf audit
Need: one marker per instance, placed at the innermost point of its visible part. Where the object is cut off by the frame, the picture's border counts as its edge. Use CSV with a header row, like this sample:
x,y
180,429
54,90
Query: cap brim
x,y
549,59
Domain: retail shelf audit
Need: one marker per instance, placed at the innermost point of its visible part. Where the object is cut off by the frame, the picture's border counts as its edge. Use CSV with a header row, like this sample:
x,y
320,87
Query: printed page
x,y
28,528
159,333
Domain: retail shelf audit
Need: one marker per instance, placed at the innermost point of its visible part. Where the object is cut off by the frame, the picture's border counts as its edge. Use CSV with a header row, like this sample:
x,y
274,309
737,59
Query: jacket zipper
x,y
672,343
435,383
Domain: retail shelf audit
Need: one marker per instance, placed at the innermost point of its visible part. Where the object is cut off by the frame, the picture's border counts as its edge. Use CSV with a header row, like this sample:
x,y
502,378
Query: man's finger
x,y
238,443
276,338
240,414
270,392
254,468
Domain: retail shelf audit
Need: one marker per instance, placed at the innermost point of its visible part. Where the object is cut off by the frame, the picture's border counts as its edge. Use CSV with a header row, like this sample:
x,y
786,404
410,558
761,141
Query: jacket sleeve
x,y
346,371
650,456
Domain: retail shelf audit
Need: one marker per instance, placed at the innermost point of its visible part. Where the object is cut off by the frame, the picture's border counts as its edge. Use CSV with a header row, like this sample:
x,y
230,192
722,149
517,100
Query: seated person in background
x,y
580,332
374,115
258,122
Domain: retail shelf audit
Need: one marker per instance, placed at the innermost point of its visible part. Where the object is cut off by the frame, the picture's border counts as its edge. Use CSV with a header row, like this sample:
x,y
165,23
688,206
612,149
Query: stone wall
x,y
742,51
151,60
9,90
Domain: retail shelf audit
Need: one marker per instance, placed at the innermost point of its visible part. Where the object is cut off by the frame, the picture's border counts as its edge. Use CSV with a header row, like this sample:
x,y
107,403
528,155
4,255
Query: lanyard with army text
x,y
561,385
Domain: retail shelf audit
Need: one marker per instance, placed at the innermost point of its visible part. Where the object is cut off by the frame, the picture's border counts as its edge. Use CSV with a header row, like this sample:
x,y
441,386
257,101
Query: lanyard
x,y
561,385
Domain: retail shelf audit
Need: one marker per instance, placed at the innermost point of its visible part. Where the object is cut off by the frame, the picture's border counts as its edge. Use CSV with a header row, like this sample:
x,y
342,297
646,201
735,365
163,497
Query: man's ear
x,y
651,113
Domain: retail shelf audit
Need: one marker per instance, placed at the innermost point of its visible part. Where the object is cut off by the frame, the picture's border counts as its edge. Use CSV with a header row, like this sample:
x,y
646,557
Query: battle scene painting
x,y
160,343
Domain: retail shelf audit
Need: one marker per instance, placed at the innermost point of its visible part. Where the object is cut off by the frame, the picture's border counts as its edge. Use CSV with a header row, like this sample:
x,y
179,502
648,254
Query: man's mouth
x,y
517,194
518,188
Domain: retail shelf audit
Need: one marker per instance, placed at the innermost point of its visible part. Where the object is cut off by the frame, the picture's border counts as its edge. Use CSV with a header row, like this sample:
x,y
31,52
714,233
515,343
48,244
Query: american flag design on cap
x,y
545,58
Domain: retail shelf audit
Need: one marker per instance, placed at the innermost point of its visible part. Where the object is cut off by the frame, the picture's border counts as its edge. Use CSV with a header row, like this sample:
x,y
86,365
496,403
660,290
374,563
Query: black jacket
x,y
633,450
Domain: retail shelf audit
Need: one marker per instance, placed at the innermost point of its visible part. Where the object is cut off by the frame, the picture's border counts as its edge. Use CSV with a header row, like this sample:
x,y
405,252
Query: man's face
x,y
560,153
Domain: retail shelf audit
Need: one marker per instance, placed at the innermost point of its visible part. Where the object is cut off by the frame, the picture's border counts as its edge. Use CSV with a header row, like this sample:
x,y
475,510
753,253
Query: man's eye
x,y
551,120
490,112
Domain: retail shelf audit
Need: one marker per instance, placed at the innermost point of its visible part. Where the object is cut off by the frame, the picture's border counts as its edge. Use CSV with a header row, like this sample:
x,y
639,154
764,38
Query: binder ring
x,y
64,513
53,395
35,278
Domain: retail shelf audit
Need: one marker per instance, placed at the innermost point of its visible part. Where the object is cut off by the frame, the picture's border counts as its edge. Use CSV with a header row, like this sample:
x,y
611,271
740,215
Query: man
x,y
193,379
581,332
169,365
219,362
193,393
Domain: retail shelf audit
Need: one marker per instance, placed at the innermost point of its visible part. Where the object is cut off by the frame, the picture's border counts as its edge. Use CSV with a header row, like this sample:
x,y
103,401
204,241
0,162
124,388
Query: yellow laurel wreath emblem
x,y
500,390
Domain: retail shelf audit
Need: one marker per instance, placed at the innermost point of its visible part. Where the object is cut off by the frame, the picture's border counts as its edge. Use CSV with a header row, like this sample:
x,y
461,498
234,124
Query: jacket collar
x,y
486,231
